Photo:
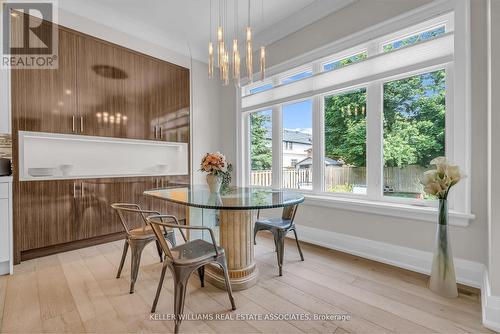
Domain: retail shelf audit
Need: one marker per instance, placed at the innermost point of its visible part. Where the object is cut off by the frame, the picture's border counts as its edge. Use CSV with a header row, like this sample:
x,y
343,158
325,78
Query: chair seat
x,y
145,232
276,223
194,251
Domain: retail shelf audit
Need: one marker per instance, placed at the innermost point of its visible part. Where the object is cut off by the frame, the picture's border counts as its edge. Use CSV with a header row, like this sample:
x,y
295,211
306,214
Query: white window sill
x,y
414,212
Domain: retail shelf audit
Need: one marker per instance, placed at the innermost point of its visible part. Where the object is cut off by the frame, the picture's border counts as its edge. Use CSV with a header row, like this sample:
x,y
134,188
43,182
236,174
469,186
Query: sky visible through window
x,y
297,77
345,61
261,88
298,116
424,36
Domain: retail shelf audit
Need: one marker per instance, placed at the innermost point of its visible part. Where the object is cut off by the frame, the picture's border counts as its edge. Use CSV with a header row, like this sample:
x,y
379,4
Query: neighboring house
x,y
307,163
296,145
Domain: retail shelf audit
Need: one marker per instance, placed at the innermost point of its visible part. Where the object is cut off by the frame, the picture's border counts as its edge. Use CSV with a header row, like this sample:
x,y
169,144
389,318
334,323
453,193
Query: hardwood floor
x,y
77,292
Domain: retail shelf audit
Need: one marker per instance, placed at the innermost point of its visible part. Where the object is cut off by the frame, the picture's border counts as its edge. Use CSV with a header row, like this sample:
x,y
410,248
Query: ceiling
x,y
183,25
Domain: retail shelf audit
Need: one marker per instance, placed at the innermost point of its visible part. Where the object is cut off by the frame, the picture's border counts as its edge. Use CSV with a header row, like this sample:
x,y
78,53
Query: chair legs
x,y
223,265
181,278
136,247
201,275
298,244
180,281
160,285
160,252
124,255
279,240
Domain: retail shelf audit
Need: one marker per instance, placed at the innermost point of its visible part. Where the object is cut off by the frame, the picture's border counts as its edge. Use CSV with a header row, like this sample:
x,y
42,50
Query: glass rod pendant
x,y
249,51
236,60
225,69
262,62
220,45
210,60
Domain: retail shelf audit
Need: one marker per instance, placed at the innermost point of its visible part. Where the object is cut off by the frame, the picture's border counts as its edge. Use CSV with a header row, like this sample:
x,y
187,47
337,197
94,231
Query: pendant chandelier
x,y
224,62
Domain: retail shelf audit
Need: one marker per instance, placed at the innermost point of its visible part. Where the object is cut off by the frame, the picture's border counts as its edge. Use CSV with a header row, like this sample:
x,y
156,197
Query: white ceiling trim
x,y
107,16
298,20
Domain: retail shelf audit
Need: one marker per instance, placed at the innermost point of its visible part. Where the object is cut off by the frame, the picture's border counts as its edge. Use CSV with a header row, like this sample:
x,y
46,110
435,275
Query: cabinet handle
x,y
81,188
156,132
161,132
81,124
74,189
73,123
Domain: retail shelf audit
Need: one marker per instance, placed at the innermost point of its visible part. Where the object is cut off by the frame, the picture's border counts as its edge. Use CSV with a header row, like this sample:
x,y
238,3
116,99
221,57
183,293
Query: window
x,y
344,61
345,142
423,36
297,145
261,157
378,122
260,88
296,77
414,131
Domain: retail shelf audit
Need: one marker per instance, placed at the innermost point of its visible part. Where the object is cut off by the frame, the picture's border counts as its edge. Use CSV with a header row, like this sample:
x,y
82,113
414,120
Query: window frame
x,y
286,75
454,15
341,56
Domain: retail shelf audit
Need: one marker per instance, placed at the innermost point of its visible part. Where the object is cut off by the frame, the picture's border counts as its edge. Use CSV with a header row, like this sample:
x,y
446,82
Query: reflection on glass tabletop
x,y
234,198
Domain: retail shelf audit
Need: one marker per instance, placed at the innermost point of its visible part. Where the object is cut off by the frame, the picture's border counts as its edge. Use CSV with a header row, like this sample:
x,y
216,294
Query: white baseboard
x,y
490,305
4,268
468,272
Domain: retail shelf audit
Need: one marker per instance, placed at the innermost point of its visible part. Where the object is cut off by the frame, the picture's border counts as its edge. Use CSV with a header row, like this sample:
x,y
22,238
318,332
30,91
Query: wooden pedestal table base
x,y
236,237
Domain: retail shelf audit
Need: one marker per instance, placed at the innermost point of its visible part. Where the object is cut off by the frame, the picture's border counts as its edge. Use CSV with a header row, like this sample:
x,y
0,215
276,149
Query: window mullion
x,y
318,139
374,140
277,138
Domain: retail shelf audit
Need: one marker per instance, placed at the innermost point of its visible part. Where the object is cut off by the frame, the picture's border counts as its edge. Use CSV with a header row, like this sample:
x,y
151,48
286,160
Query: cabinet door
x,y
48,213
97,216
100,86
174,111
4,230
45,100
147,98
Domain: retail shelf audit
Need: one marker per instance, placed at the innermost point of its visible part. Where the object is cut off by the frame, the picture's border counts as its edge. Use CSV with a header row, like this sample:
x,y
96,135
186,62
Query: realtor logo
x,y
29,37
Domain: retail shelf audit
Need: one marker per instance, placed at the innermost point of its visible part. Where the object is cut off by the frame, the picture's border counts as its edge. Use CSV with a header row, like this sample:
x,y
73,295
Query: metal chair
x,y
137,238
184,259
279,227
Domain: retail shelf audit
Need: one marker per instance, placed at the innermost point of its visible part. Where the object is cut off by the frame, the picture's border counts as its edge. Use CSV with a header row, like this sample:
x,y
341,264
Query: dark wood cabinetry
x,y
47,214
99,89
126,95
45,100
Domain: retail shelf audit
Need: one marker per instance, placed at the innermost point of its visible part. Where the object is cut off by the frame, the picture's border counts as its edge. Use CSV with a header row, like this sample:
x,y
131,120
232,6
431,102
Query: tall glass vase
x,y
443,281
214,182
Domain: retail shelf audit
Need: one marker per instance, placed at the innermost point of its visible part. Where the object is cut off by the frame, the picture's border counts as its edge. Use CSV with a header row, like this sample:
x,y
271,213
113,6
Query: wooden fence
x,y
405,179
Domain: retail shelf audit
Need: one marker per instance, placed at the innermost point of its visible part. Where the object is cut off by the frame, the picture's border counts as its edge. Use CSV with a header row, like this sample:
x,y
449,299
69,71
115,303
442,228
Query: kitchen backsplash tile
x,y
5,146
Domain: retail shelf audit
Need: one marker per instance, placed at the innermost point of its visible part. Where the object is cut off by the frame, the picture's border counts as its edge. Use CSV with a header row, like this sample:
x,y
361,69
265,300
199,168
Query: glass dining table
x,y
231,214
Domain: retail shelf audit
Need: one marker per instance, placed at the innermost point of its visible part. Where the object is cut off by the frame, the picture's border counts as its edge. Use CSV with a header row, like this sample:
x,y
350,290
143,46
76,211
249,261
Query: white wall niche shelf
x,y
99,157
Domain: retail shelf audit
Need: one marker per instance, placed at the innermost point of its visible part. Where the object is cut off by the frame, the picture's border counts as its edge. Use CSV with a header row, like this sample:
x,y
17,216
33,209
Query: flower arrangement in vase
x,y
218,171
438,182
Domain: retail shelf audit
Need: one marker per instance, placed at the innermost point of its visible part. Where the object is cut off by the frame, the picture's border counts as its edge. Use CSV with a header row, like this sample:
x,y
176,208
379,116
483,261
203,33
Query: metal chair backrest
x,y
157,222
289,212
121,208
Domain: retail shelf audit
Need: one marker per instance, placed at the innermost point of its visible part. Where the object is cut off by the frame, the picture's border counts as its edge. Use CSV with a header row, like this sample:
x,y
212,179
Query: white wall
x,y
494,161
205,93
468,242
